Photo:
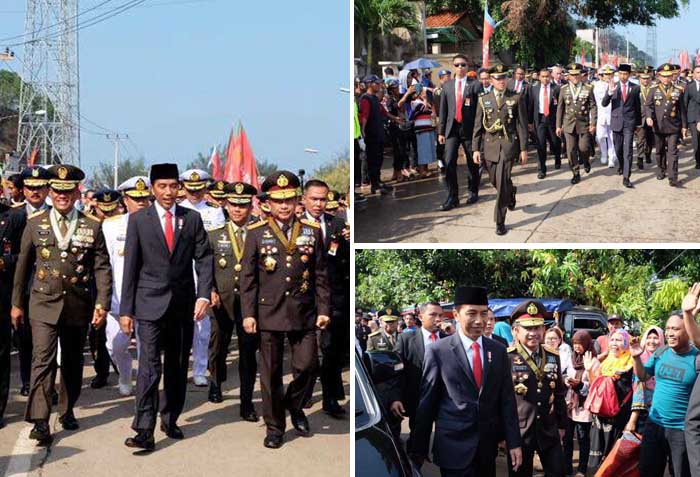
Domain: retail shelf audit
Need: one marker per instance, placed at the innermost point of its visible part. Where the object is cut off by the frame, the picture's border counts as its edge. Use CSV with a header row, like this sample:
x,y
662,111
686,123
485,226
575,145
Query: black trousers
x,y
375,157
692,430
357,161
398,147
98,348
552,458
304,362
695,136
172,335
658,443
624,150
582,430
453,142
667,153
46,338
222,326
5,346
334,344
546,135
484,464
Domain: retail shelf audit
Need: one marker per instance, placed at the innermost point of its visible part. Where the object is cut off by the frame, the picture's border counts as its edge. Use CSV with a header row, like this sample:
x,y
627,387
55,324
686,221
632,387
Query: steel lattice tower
x,y
651,44
49,114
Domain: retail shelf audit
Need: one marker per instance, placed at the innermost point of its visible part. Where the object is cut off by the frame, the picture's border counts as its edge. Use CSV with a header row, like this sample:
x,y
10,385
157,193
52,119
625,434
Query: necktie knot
x,y
433,337
476,364
168,214
475,346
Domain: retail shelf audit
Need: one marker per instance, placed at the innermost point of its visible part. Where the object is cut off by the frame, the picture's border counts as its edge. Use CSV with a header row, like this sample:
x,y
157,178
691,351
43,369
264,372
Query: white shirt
x,y
31,209
600,88
426,337
467,344
114,230
459,88
518,85
321,220
161,215
212,217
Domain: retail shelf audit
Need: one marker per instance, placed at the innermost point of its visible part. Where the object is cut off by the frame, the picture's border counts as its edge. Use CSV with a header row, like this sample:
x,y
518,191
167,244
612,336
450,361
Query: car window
x,y
587,323
367,411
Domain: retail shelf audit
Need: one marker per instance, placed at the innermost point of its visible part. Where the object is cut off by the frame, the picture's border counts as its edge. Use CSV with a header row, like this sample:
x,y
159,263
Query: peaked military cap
x,y
107,199
240,193
387,315
217,189
195,179
65,177
281,185
35,176
498,72
529,313
136,187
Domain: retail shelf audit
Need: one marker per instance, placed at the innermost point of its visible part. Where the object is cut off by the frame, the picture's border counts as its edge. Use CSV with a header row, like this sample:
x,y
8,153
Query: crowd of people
x,y
561,111
478,383
175,262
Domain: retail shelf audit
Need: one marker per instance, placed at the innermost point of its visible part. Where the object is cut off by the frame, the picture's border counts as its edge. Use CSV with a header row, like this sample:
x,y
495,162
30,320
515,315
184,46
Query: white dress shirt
x,y
114,231
212,217
161,215
467,344
31,209
426,337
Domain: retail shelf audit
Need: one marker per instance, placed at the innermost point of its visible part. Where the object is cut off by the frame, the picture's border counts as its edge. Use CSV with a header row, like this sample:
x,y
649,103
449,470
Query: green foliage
x,y
644,286
265,167
336,173
10,85
201,162
103,174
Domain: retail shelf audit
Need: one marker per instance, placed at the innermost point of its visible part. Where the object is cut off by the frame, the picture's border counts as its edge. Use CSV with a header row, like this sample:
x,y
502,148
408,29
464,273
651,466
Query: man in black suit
x,y
457,113
411,347
542,115
159,292
334,339
467,392
625,118
691,97
518,83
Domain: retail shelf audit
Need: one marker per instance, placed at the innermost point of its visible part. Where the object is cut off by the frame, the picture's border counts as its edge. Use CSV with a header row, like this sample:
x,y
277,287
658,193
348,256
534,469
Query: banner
x,y
489,26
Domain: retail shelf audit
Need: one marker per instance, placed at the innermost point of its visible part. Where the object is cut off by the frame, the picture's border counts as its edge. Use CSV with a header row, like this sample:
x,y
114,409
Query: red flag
x,y
32,157
229,168
697,57
247,170
215,162
604,58
489,26
583,56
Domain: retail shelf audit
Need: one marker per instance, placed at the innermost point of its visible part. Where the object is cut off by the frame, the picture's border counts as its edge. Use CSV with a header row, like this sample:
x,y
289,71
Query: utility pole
x,y
115,138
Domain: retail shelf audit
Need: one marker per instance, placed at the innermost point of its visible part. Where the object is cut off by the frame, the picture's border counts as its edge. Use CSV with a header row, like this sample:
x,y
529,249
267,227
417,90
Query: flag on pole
x,y
684,60
32,157
215,163
489,26
229,168
247,170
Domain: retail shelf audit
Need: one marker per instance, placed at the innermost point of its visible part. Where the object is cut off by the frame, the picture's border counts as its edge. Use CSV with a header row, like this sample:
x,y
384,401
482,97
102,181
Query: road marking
x,y
21,457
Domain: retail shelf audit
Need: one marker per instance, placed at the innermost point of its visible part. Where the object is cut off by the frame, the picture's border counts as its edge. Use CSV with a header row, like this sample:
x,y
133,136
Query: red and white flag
x,y
489,26
217,171
229,168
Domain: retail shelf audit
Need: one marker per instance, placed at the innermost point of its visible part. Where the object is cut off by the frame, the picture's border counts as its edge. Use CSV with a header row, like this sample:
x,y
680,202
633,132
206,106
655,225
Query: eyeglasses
x,y
460,65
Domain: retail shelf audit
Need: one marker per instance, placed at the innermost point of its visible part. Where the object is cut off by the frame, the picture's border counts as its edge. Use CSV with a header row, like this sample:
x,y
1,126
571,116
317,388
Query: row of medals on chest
x,y
81,237
521,378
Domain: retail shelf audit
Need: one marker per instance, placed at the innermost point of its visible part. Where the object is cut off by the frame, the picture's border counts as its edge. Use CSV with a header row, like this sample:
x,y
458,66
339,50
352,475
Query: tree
x,y
377,18
103,175
335,173
202,162
266,168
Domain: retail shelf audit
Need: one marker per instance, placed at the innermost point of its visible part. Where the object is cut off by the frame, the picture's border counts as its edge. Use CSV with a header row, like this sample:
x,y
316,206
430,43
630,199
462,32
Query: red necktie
x,y
169,234
545,100
476,364
624,92
458,112
433,337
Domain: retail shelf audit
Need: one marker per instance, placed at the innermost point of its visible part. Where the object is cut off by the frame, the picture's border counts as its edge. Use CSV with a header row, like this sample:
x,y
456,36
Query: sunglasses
x,y
460,65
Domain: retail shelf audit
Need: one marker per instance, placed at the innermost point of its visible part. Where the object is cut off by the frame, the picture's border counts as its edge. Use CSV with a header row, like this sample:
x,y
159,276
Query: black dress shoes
x,y
273,442
473,199
674,183
300,423
619,172
697,165
142,440
41,432
627,183
541,175
449,205
215,393
576,179
173,432
661,175
501,229
334,410
587,167
557,164
640,165
98,382
250,416
25,390
68,421
2,422
648,160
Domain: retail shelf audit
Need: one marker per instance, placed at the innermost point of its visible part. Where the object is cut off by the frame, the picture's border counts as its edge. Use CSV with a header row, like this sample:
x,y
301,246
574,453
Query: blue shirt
x,y
675,376
503,330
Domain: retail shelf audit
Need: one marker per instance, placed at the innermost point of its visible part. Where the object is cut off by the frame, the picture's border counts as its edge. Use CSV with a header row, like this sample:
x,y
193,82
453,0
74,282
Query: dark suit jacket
x,y
338,264
154,278
533,103
463,414
11,227
448,108
499,339
691,98
624,114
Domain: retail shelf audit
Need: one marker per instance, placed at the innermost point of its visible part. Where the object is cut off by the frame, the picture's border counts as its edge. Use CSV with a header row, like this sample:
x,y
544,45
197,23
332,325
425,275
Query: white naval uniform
x,y
114,230
603,131
212,217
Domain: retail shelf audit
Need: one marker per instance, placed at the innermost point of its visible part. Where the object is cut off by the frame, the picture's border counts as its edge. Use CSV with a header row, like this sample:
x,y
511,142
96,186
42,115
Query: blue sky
x,y
178,74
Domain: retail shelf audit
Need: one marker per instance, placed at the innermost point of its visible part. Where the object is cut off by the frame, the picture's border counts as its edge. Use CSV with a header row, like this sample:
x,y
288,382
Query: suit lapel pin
x,y
180,221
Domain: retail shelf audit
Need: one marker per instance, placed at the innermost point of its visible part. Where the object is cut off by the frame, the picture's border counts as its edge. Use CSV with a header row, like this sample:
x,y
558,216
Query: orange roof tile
x,y
443,19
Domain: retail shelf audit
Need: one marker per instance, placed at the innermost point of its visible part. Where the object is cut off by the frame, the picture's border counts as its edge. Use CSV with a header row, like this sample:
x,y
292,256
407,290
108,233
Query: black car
x,y
377,453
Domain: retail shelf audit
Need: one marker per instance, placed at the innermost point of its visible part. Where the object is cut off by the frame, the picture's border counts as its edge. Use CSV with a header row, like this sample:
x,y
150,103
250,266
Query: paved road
x,y
216,441
598,209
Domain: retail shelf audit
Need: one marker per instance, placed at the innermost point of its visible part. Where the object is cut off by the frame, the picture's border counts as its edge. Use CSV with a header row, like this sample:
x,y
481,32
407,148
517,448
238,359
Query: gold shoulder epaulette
x,y
213,204
375,333
219,227
679,87
310,223
511,349
36,214
19,204
92,217
551,350
112,217
257,225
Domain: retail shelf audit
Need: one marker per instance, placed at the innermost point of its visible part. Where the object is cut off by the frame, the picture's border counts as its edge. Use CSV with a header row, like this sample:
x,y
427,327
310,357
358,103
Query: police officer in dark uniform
x,y
285,293
384,339
501,128
228,244
664,111
645,134
68,251
539,392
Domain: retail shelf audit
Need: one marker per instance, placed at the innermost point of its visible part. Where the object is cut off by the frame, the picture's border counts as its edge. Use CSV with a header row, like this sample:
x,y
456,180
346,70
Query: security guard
x,y
539,392
645,134
577,115
106,206
384,339
285,293
67,250
194,183
501,128
664,111
136,196
228,244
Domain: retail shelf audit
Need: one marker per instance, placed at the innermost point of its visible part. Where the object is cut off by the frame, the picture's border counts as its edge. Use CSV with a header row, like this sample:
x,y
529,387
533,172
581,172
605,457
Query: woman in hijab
x,y
652,339
580,423
618,365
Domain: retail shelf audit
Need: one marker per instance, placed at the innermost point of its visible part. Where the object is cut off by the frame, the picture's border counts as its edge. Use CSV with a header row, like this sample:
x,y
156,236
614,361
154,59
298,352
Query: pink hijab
x,y
650,384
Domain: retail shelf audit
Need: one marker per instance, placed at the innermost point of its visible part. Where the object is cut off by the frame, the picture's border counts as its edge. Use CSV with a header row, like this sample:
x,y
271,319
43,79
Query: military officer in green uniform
x,y
645,134
66,248
227,243
285,294
384,339
664,111
539,392
501,130
577,115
